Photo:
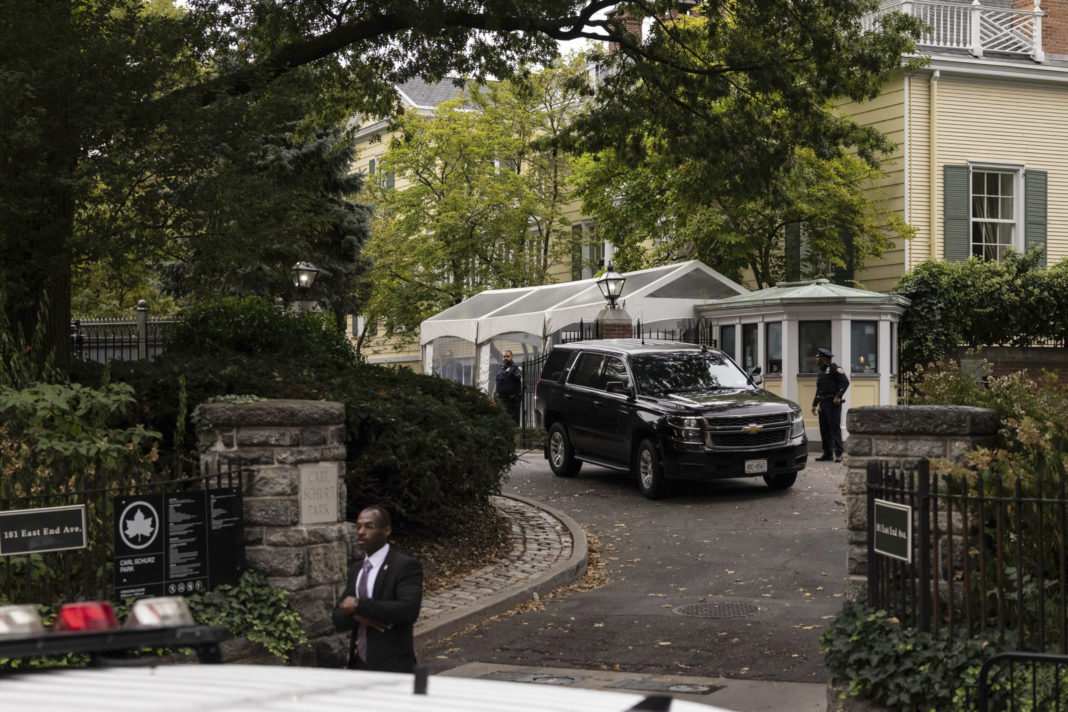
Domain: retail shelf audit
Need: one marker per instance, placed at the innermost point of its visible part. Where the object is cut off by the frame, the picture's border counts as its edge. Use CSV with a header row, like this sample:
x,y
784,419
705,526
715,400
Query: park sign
x,y
36,531
892,530
178,543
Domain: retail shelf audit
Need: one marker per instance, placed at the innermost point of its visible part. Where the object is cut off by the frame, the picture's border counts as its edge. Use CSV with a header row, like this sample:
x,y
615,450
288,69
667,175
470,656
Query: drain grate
x,y
719,609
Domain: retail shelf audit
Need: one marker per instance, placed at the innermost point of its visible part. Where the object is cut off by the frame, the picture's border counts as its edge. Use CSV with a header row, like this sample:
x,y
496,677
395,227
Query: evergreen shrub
x,y
425,447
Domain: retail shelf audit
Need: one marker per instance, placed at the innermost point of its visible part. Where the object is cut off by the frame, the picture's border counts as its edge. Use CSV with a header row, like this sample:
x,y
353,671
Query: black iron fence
x,y
103,339
969,557
84,573
1023,681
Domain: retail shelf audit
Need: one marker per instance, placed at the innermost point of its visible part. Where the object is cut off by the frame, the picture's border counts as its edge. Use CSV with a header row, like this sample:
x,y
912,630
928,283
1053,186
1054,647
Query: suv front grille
x,y
736,422
747,432
764,438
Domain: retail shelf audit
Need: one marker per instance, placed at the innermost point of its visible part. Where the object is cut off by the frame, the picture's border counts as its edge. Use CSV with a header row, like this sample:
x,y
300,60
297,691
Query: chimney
x,y
1054,25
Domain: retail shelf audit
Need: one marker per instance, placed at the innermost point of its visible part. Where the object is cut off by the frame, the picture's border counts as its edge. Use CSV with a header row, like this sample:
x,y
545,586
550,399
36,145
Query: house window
x,y
371,166
995,216
749,346
726,339
812,335
587,257
864,343
773,344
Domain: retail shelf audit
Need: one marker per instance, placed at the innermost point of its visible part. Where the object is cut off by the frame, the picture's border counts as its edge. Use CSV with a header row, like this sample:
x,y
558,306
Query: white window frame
x,y
1017,221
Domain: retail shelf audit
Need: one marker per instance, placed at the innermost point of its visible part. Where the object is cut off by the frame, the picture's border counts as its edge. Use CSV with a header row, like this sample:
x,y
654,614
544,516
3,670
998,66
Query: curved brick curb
x,y
563,571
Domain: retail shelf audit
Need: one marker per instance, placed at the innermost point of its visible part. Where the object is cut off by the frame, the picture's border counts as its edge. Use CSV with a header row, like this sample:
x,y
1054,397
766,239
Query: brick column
x,y
615,324
901,435
294,502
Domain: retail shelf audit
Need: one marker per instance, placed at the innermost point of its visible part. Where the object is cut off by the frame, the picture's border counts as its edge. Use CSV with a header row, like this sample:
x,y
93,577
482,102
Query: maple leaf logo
x,y
139,525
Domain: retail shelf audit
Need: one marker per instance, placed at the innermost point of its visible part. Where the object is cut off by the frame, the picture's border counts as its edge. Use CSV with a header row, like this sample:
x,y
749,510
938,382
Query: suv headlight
x,y
797,428
686,429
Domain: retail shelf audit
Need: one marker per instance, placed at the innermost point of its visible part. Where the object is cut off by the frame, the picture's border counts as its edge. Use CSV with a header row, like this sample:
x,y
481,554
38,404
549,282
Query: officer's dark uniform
x,y
831,383
509,388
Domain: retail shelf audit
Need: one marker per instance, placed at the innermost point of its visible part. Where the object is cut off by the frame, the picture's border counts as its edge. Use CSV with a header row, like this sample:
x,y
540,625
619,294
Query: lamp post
x,y
304,274
611,286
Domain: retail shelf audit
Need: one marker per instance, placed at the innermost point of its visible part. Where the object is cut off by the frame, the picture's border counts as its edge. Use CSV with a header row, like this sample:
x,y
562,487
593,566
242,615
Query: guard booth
x,y
780,328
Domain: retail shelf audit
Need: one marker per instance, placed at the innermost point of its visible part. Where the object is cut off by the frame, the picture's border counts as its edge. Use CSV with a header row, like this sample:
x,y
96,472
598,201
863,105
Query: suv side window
x,y
556,365
587,372
615,370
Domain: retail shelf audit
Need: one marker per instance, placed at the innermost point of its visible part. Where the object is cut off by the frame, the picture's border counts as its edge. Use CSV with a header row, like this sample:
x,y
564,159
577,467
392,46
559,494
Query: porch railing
x,y
976,28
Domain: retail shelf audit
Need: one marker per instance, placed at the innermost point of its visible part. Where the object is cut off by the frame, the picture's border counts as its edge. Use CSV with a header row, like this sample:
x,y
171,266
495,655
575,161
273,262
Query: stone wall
x,y
901,435
615,324
294,503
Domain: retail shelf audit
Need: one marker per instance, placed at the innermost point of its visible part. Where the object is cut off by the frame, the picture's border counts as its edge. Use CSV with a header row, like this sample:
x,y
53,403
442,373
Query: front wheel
x,y
781,481
561,454
649,471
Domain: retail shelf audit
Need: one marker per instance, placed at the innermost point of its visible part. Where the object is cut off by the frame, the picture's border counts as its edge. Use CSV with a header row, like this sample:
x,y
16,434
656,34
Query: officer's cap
x,y
824,352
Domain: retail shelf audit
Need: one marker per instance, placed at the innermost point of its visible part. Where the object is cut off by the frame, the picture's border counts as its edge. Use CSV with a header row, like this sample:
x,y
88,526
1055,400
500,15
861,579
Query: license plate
x,y
753,467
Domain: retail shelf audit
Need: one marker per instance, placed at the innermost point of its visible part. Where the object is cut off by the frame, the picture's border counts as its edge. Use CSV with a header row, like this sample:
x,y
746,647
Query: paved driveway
x,y
759,572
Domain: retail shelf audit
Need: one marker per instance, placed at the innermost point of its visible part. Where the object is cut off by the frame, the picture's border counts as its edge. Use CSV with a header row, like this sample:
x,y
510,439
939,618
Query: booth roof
x,y
655,294
818,291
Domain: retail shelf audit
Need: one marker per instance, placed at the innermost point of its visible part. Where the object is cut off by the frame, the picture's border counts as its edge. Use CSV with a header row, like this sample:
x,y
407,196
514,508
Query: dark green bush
x,y
252,326
900,667
974,303
425,447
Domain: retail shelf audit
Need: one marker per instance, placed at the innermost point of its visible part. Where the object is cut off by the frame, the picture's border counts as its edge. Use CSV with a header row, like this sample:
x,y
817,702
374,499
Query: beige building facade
x,y
981,163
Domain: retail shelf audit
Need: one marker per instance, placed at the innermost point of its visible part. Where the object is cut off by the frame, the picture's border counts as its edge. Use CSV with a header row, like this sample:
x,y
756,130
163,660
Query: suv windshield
x,y
680,372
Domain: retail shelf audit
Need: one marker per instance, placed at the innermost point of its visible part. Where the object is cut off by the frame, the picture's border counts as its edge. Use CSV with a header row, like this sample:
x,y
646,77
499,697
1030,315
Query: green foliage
x,y
482,205
1034,416
975,303
423,446
253,609
731,133
249,326
66,436
903,668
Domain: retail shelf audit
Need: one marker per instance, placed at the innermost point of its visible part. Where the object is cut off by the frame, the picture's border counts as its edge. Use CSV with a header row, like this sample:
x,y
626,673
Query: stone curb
x,y
559,574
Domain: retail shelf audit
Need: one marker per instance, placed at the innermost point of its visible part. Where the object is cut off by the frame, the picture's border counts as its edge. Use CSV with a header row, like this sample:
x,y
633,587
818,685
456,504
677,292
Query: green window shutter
x,y
957,198
1035,211
792,248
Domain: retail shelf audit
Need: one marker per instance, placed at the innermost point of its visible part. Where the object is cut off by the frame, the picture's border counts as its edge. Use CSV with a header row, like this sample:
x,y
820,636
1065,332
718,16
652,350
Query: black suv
x,y
666,411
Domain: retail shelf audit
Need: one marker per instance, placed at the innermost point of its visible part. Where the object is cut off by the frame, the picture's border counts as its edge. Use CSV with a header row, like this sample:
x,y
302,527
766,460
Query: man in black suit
x,y
381,600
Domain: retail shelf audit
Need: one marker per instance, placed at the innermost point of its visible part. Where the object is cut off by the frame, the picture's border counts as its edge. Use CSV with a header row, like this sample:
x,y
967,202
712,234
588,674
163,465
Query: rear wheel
x,y
561,454
781,481
649,471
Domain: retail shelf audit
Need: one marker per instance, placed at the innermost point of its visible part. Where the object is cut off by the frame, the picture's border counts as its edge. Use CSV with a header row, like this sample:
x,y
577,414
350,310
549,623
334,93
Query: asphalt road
x,y
763,571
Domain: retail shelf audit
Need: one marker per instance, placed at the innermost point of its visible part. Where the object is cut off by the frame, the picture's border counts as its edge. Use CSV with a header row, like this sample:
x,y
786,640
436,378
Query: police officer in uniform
x,y
508,387
831,386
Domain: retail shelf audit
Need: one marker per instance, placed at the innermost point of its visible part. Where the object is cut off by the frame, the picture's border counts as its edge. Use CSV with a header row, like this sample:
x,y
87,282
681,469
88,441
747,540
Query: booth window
x,y
726,339
749,346
864,344
773,343
812,335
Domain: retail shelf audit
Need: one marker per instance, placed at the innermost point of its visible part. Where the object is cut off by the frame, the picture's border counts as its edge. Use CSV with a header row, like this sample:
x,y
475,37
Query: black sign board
x,y
178,543
35,531
892,530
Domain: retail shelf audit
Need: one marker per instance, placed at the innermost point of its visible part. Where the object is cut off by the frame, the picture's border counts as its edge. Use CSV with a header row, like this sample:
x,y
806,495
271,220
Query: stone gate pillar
x,y
901,435
294,502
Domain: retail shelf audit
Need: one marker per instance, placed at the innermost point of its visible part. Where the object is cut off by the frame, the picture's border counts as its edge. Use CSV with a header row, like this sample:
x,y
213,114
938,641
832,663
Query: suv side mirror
x,y
619,387
755,377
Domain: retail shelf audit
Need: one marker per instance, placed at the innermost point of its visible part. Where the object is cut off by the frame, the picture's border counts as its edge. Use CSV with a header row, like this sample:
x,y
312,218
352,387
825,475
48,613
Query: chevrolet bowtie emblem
x,y
752,429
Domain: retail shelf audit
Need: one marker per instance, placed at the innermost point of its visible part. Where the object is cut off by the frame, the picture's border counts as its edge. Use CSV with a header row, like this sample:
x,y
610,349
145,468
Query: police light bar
x,y
92,627
20,620
85,616
159,612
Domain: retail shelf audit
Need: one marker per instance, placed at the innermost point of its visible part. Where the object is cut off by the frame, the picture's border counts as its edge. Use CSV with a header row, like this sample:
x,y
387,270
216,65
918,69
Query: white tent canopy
x,y
650,295
659,295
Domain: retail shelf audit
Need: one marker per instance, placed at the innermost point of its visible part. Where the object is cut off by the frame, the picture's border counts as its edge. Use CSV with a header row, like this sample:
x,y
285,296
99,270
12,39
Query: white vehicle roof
x,y
264,688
